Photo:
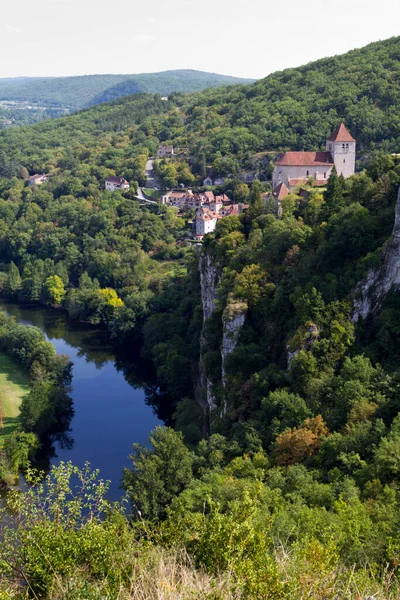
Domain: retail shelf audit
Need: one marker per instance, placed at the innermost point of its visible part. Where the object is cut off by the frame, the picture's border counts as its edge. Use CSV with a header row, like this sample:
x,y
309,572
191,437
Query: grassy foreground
x,y
14,385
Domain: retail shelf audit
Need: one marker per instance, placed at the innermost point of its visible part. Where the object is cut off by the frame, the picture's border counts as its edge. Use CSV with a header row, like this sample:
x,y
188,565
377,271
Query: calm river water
x,y
110,413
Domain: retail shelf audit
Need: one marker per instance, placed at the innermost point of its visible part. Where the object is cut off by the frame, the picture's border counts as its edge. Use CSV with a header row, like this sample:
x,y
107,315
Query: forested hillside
x,y
77,92
280,479
231,128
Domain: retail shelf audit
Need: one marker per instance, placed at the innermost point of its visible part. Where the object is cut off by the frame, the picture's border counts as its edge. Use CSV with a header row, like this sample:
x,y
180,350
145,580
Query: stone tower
x,y
342,146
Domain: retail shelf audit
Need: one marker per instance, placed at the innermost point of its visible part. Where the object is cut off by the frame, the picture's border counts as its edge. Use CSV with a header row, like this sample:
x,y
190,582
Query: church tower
x,y
342,146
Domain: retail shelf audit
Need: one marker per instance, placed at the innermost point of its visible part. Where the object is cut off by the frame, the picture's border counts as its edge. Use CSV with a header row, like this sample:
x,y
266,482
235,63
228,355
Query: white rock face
x,y
371,291
209,278
310,336
232,329
233,320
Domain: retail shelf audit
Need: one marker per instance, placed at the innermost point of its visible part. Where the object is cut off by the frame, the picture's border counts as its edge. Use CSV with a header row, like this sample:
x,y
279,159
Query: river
x,y
110,413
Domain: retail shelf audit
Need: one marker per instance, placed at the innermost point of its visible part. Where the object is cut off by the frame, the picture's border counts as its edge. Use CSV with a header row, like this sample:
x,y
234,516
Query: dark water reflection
x,y
109,394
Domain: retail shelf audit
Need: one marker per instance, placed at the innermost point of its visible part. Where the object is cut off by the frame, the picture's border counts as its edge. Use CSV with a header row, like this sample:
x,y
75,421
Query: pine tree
x,y
334,199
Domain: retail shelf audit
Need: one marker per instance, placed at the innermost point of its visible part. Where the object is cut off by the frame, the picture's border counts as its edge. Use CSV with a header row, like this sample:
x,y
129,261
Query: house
x,y
295,168
205,222
209,196
177,198
223,199
234,210
207,181
277,195
165,151
116,183
38,179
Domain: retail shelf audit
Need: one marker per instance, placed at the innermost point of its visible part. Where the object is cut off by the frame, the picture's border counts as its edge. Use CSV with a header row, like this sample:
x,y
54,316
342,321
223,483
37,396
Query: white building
x,y
165,151
116,183
295,168
205,222
179,199
38,179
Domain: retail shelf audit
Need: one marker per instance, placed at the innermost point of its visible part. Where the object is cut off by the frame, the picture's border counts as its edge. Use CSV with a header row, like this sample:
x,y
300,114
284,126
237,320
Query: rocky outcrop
x,y
209,278
304,339
233,320
370,292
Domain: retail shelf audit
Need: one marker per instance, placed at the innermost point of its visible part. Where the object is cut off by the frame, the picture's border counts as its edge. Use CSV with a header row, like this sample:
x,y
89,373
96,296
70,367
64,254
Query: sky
x,y
245,38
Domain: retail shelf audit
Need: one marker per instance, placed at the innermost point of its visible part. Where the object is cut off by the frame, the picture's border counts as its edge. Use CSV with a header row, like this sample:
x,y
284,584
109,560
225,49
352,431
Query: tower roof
x,y
341,134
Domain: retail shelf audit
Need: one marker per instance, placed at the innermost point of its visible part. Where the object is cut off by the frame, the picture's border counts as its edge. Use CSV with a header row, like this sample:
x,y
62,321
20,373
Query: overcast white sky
x,y
247,38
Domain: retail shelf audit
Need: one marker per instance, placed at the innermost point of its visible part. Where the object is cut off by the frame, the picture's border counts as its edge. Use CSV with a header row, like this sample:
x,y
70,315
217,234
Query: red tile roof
x,y
224,199
280,192
305,159
318,182
341,134
208,216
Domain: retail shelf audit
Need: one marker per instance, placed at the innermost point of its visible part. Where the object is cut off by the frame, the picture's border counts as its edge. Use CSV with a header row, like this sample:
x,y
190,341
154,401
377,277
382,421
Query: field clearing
x,y
14,385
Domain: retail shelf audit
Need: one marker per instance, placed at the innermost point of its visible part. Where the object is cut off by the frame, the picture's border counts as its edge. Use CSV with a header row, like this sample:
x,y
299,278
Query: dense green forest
x,y
12,116
46,411
80,91
280,478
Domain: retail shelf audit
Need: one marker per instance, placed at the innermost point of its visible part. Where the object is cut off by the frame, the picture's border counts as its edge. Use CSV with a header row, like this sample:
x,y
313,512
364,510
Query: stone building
x,y
295,168
165,151
116,183
38,179
276,197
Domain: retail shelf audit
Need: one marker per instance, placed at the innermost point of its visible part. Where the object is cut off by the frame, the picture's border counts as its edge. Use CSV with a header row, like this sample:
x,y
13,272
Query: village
x,y
292,171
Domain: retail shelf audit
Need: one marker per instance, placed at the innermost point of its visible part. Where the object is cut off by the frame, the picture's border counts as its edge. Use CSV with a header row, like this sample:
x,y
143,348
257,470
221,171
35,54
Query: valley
x,y
234,336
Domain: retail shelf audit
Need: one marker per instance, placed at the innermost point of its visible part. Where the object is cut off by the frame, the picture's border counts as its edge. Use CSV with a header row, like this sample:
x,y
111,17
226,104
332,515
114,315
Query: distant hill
x,y
231,126
81,91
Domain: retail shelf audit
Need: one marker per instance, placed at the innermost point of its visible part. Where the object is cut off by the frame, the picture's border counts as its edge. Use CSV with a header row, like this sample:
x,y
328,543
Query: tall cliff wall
x,y
370,292
233,319
209,278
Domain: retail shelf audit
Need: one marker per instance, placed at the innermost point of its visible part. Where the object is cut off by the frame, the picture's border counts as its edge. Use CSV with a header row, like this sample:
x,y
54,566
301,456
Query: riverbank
x,y
108,390
14,385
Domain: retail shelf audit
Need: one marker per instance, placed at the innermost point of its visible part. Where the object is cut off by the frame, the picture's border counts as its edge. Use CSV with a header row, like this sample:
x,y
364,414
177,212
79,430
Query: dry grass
x,y
157,575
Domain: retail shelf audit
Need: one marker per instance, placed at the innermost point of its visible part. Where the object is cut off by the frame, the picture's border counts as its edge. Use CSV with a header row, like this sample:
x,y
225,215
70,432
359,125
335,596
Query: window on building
x,y
324,175
347,146
308,172
343,146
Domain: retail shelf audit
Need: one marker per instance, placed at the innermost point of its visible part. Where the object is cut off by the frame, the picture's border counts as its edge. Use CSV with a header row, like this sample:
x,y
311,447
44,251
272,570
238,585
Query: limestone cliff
x,y
304,339
209,278
370,292
233,319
